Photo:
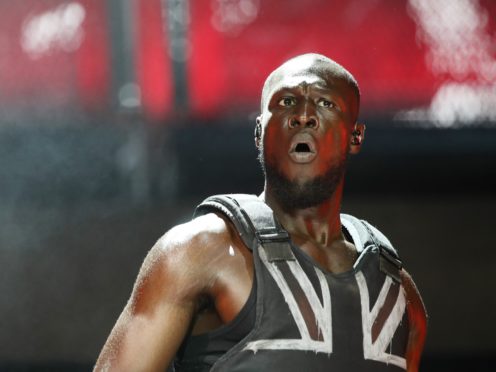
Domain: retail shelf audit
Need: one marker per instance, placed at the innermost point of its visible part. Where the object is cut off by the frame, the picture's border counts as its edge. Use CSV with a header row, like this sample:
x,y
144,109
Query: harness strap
x,y
389,261
257,225
254,221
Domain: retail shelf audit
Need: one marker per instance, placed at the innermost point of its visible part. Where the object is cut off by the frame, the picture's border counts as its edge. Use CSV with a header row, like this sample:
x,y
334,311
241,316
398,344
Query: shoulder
x,y
197,242
185,260
201,229
194,237
364,233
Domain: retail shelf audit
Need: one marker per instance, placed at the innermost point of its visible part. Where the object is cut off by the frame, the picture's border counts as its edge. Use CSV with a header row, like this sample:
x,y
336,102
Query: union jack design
x,y
313,317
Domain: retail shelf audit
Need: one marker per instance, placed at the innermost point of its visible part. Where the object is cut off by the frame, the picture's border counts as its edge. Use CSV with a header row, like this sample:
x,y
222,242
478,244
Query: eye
x,y
325,103
287,101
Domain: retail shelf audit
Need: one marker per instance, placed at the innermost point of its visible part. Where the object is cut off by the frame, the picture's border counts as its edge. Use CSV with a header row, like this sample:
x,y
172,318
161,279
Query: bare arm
x,y
417,317
150,329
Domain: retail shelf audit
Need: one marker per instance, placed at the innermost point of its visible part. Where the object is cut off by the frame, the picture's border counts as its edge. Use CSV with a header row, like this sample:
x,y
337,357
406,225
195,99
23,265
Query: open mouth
x,y
302,150
302,147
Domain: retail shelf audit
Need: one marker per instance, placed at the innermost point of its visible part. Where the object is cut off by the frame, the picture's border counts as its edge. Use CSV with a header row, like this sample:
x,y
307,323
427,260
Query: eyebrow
x,y
321,86
321,89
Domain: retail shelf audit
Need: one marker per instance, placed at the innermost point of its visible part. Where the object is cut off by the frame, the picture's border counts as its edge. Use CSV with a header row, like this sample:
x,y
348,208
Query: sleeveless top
x,y
301,317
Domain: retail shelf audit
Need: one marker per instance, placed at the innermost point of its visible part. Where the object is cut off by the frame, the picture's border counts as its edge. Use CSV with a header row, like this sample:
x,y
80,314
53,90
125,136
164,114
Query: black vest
x,y
308,319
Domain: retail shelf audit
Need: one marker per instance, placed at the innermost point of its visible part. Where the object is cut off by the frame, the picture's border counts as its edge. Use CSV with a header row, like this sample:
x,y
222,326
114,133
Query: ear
x,y
258,131
357,138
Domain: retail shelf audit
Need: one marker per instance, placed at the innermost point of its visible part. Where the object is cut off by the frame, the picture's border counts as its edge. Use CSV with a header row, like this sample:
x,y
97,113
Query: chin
x,y
302,192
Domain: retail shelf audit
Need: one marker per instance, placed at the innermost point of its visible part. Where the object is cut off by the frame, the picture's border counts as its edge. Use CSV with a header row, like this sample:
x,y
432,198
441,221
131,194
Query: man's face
x,y
306,124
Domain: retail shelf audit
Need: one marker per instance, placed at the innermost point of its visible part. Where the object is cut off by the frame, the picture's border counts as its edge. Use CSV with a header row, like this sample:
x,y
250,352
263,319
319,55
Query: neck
x,y
320,224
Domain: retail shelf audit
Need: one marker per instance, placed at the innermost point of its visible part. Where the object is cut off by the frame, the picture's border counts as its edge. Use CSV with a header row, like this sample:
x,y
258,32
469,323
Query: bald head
x,y
304,64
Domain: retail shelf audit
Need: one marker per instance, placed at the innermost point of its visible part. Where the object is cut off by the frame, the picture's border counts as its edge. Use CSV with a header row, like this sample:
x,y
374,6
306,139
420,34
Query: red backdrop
x,y
232,49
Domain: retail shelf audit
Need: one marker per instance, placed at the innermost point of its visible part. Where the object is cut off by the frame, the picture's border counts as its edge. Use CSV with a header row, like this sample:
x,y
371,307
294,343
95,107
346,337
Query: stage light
x,y
57,29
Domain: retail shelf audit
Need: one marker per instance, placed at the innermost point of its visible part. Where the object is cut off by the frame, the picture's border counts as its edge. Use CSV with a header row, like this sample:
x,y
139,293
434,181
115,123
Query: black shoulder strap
x,y
254,221
257,225
390,262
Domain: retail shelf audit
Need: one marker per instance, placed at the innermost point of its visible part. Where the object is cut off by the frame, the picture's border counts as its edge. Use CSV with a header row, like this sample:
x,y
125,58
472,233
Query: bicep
x,y
156,318
145,342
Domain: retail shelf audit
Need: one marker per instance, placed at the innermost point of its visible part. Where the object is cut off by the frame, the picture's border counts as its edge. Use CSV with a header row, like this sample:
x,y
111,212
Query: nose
x,y
304,116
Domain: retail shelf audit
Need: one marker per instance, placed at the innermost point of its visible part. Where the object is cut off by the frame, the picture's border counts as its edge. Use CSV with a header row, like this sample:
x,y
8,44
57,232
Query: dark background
x,y
118,117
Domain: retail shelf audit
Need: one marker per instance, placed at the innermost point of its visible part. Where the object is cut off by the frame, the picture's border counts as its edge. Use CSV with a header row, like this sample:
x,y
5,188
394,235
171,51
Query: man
x,y
332,297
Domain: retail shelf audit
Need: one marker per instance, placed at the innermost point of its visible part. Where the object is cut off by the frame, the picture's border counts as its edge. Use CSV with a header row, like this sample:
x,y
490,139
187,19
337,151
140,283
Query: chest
x,y
308,316
337,259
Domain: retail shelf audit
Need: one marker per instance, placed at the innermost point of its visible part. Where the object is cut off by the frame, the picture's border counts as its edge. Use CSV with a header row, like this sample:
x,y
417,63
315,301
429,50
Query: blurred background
x,y
117,117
